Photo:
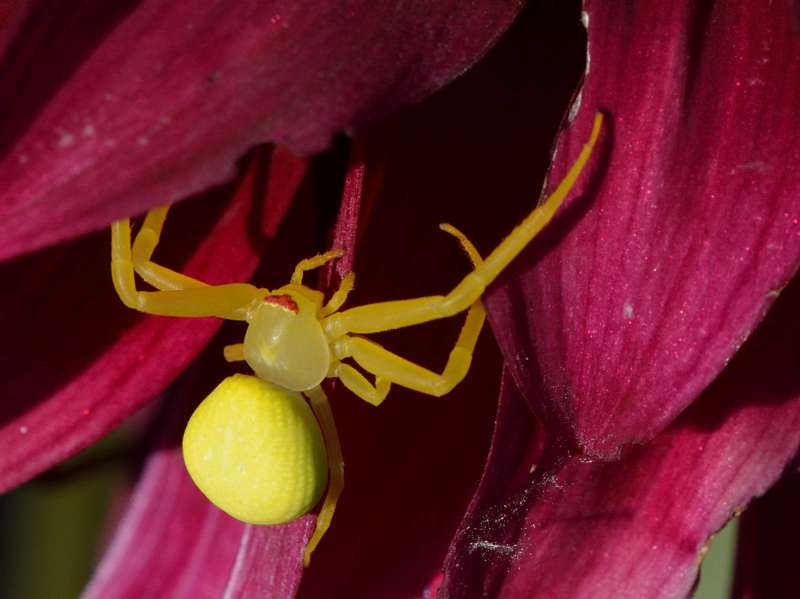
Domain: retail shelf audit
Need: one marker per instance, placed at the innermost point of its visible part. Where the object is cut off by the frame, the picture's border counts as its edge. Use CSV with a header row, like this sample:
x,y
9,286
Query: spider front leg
x,y
145,243
384,316
224,301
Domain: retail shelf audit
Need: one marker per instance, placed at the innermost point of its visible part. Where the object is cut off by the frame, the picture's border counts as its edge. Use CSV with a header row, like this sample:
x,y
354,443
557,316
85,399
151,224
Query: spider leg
x,y
312,263
383,316
145,243
234,352
391,368
224,301
358,384
466,244
150,232
340,296
322,410
367,353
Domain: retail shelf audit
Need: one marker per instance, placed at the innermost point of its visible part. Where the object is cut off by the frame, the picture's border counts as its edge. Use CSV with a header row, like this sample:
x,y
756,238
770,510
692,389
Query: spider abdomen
x,y
256,451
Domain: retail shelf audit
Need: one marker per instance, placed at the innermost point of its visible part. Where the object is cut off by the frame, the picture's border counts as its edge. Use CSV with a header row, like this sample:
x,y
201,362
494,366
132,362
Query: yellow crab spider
x,y
254,446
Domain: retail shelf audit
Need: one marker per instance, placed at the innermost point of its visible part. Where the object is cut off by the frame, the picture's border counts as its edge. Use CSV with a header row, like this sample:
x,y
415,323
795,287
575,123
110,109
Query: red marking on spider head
x,y
284,301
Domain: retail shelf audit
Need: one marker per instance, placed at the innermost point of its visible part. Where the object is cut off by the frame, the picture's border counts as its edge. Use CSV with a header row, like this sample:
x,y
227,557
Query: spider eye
x,y
284,301
256,451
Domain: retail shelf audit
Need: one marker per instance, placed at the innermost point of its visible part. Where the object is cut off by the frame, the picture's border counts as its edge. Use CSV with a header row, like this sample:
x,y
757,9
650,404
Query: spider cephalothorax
x,y
285,343
252,446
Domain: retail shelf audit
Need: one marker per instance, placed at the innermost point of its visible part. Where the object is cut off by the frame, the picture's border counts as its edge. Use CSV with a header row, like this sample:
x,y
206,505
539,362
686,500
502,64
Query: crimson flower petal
x,y
110,108
96,362
173,543
689,225
638,526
